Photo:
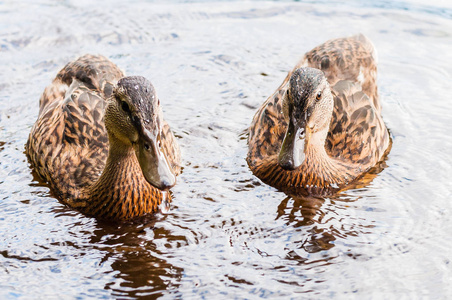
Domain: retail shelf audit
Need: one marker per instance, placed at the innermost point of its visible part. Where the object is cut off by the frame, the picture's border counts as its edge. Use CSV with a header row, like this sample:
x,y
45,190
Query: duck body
x,y
91,141
322,128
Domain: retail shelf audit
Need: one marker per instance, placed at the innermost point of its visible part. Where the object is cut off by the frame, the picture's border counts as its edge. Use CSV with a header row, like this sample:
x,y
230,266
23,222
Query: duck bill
x,y
292,154
153,161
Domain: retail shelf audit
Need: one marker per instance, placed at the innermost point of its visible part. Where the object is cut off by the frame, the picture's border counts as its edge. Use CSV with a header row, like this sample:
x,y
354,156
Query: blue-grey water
x,y
227,235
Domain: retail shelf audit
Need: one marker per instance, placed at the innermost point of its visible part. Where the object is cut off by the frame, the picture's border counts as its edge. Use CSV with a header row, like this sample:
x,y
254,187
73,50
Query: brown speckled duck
x,y
322,128
101,143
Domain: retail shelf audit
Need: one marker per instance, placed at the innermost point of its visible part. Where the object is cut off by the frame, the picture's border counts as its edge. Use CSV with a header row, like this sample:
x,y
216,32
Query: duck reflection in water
x,y
136,260
306,211
323,216
130,254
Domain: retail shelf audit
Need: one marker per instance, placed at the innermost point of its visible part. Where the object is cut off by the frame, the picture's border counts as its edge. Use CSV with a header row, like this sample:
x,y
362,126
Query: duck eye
x,y
319,96
125,107
147,147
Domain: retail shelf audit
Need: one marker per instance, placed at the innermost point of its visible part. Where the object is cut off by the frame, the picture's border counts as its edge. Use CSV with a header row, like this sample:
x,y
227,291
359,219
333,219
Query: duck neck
x,y
121,162
318,165
122,192
316,144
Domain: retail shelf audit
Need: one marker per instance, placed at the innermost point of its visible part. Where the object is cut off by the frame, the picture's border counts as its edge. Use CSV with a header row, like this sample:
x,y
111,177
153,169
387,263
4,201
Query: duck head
x,y
134,116
307,107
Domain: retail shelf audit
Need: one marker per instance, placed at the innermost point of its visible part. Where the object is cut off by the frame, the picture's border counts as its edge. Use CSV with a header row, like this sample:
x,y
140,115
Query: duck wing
x,y
357,133
68,144
171,148
267,129
352,58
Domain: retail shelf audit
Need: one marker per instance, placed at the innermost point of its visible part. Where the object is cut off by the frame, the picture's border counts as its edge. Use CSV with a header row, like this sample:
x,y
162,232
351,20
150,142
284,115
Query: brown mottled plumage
x,y
101,143
322,128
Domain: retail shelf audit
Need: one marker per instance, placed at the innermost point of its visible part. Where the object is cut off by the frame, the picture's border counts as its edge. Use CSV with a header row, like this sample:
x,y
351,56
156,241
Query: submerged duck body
x,y
322,128
101,143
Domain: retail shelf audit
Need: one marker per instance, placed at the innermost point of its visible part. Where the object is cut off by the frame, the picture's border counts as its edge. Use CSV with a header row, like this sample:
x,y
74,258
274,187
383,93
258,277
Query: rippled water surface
x,y
227,234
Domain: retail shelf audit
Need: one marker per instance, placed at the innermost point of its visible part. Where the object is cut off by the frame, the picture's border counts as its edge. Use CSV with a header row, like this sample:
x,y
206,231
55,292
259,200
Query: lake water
x,y
227,235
